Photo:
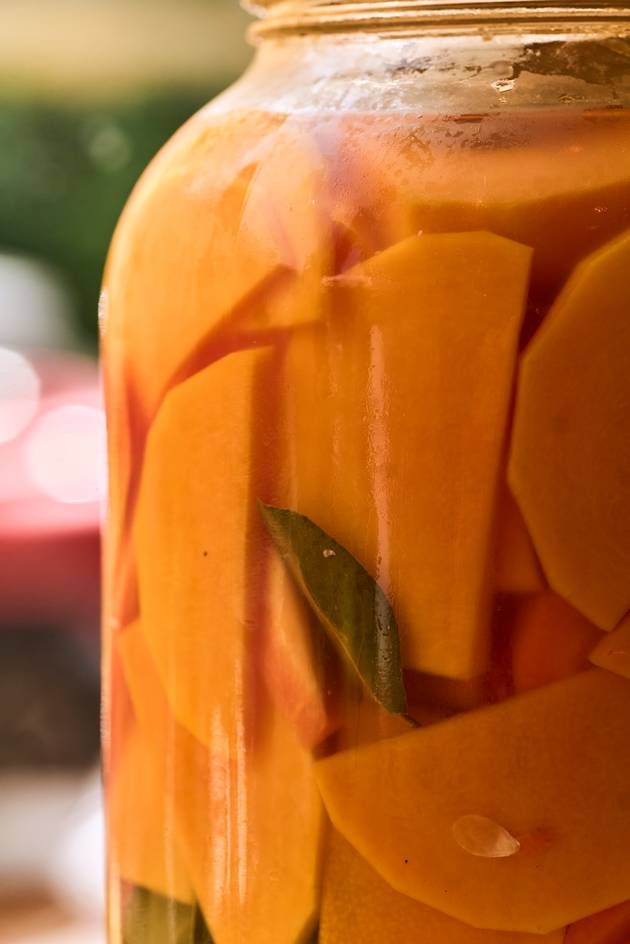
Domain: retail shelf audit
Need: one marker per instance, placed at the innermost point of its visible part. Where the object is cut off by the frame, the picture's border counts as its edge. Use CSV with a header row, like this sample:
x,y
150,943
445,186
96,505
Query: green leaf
x,y
347,600
154,919
201,934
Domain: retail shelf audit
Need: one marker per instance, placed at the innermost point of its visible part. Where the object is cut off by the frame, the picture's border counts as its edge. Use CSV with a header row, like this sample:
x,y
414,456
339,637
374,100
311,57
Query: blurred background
x,y
89,91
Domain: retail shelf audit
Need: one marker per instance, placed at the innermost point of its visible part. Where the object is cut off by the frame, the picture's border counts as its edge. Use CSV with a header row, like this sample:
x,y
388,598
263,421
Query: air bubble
x,y
482,837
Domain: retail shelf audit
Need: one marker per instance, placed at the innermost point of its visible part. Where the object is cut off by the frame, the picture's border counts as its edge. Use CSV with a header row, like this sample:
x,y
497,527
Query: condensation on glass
x,y
366,336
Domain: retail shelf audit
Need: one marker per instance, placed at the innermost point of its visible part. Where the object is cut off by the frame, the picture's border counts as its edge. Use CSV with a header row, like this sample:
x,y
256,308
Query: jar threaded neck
x,y
278,16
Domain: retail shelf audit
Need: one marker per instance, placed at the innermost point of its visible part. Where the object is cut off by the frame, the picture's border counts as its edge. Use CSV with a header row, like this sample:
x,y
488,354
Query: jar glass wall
x,y
366,350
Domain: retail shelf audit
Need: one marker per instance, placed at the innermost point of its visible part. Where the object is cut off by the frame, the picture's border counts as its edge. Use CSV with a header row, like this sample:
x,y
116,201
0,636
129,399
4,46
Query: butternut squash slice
x,y
612,652
358,905
608,927
165,296
445,695
550,641
516,568
569,460
144,848
249,824
550,767
121,455
222,187
395,419
365,721
196,526
297,660
117,715
290,213
217,607
207,566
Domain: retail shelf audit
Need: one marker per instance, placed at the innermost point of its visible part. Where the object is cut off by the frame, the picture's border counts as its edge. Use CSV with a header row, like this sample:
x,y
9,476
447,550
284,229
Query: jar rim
x,y
286,16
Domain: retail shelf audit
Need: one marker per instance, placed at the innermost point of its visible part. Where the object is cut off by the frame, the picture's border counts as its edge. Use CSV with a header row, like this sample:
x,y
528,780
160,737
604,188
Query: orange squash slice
x,y
569,458
550,767
396,414
249,824
358,905
550,641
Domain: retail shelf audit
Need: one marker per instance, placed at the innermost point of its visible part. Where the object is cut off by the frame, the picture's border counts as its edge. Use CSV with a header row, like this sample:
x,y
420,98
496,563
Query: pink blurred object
x,y
52,460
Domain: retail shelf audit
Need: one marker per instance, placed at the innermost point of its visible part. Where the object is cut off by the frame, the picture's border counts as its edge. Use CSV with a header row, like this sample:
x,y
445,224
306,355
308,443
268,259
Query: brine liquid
x,y
368,552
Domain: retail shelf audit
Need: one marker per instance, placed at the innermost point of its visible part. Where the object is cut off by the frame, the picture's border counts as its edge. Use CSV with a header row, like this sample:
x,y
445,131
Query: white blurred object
x,y
53,837
41,480
35,307
20,390
32,811
75,869
66,454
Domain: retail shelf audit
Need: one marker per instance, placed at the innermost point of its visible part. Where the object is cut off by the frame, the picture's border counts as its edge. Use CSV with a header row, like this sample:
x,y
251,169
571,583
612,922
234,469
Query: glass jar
x,y
366,343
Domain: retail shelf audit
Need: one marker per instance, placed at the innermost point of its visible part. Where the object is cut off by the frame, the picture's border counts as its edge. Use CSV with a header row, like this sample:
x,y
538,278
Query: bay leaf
x,y
155,919
201,933
348,602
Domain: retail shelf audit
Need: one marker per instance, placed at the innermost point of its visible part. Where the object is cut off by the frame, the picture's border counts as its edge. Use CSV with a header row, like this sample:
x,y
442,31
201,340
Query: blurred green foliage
x,y
66,170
